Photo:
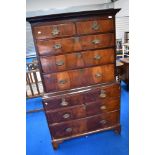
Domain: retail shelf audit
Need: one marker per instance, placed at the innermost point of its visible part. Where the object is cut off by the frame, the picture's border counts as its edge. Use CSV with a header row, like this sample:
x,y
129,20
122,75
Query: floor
x,y
104,143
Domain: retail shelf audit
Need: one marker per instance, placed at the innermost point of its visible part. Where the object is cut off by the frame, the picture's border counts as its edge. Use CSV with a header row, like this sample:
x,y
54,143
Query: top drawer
x,y
53,31
93,26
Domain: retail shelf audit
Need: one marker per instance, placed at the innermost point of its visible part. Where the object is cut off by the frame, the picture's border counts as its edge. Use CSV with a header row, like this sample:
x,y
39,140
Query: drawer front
x,y
66,114
61,102
67,129
97,41
102,93
66,45
76,60
75,78
103,121
93,26
102,106
53,31
99,57
84,125
58,46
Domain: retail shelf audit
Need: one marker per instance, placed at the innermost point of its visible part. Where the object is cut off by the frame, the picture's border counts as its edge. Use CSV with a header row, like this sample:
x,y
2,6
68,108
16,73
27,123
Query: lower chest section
x,y
83,111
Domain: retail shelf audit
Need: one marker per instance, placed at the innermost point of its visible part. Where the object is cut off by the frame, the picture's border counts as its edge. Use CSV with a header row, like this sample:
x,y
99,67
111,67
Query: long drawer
x,y
72,44
83,110
71,128
101,93
76,78
58,63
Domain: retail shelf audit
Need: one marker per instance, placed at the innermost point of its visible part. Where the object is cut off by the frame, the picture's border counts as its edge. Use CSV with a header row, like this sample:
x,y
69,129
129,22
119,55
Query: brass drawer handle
x,y
103,107
102,94
39,32
55,31
103,121
60,63
84,106
57,46
68,129
63,81
96,41
95,26
98,75
65,116
81,71
79,55
46,103
76,39
64,103
97,57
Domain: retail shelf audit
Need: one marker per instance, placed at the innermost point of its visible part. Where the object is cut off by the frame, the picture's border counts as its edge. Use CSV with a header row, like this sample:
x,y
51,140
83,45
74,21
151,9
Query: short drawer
x,y
75,78
72,44
97,41
61,102
58,46
67,129
102,106
66,114
103,121
102,93
58,63
94,26
84,125
53,31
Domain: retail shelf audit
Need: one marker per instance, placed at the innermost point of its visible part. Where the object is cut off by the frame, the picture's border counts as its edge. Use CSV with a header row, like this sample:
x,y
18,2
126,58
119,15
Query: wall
x,y
122,18
33,5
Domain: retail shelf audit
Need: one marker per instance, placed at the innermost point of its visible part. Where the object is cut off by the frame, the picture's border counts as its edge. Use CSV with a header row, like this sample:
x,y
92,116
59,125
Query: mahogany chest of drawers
x,y
76,53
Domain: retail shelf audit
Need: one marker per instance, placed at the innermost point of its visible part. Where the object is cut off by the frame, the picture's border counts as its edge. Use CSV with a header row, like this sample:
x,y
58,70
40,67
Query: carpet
x,y
103,143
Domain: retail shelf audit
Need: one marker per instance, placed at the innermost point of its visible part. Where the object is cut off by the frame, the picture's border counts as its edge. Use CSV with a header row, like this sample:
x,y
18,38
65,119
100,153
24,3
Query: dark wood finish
x,y
53,31
83,110
79,98
93,26
102,106
97,41
87,124
64,93
67,45
71,15
66,114
125,72
119,70
75,78
63,101
76,53
94,94
59,63
58,46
